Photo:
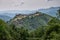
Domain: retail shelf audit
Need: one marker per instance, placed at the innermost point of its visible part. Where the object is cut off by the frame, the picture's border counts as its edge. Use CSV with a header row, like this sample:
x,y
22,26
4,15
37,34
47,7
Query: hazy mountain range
x,y
50,11
5,18
7,15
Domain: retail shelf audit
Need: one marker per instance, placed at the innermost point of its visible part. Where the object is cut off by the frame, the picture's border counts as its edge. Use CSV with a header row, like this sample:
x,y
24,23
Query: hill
x,y
31,21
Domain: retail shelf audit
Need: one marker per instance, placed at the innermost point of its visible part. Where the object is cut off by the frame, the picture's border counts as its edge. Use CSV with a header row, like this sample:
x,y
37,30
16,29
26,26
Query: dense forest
x,y
51,31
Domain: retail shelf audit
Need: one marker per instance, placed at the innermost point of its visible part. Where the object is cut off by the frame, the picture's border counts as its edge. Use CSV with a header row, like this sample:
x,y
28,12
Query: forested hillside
x,y
49,31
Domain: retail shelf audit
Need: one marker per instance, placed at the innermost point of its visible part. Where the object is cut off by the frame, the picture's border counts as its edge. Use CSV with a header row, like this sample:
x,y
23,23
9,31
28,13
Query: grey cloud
x,y
27,4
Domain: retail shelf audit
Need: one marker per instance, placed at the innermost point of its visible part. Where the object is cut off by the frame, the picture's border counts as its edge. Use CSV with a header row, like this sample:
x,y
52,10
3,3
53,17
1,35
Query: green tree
x,y
52,31
4,34
18,33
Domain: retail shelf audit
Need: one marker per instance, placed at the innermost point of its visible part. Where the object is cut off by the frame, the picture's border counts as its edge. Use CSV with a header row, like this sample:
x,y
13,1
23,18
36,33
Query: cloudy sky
x,y
27,4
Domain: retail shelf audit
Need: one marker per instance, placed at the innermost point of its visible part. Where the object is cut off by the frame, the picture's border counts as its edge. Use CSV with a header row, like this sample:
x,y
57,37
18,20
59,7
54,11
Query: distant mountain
x,y
5,18
12,13
31,21
50,11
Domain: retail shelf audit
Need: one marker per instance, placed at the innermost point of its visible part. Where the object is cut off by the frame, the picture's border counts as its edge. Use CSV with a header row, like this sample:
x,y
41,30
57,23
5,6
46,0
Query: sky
x,y
27,4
